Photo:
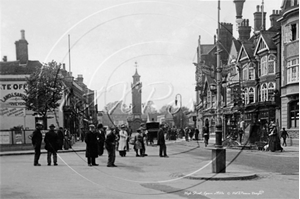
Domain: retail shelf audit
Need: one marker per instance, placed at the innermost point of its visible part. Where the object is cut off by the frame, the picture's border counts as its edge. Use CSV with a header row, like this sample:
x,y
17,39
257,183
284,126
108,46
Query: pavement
x,y
233,172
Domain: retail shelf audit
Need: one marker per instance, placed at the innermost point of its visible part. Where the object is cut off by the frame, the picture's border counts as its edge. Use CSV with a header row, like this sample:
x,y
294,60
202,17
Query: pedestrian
x,y
284,134
186,133
100,139
61,136
205,132
191,133
241,132
82,135
110,143
51,145
161,141
91,152
37,139
274,141
138,146
196,134
144,135
123,137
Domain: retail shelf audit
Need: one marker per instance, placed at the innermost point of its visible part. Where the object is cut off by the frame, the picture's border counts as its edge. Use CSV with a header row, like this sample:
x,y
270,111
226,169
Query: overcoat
x,y
123,140
161,137
138,141
51,141
91,145
37,138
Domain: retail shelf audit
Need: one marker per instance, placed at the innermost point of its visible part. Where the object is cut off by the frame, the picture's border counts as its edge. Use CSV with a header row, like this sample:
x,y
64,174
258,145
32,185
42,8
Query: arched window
x,y
271,64
263,65
271,90
264,91
251,95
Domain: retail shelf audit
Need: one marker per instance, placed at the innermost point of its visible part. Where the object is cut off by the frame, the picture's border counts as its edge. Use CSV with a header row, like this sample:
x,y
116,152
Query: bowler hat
x,y
52,125
91,125
100,126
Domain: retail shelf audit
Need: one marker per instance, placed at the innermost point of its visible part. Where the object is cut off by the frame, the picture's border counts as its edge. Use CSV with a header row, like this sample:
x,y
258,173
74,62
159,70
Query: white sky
x,y
109,36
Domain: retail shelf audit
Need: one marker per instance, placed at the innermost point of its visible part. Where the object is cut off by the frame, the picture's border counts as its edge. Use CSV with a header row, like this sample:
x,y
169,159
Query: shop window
x,y
294,114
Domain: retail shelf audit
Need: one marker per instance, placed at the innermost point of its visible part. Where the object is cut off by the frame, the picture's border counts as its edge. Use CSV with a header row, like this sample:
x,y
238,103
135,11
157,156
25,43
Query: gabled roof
x,y
207,48
245,51
14,67
265,41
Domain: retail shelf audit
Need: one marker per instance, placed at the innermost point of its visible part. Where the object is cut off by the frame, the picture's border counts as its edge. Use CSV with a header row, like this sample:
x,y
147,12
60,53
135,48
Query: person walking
x,y
123,137
205,132
161,141
110,143
61,136
91,152
37,139
186,133
138,146
284,134
196,134
51,145
100,139
274,142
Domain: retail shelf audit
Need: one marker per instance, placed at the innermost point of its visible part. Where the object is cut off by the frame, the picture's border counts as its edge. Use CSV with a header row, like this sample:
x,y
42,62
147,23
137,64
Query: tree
x,y
44,90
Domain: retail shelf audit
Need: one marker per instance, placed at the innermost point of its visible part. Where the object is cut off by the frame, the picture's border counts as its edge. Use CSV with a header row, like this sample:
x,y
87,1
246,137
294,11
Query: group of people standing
x,y
53,142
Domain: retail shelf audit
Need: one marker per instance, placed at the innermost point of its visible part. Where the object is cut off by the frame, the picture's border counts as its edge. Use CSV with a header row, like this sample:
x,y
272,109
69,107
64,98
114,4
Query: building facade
x,y
289,62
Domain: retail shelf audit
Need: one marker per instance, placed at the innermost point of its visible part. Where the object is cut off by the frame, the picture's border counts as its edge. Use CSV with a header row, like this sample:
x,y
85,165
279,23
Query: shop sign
x,y
12,112
5,137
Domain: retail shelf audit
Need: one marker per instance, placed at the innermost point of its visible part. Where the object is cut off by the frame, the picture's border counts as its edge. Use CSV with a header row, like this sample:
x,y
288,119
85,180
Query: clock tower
x,y
136,90
136,120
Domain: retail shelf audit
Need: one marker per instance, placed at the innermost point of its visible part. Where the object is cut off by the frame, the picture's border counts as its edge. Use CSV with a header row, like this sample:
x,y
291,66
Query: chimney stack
x,y
80,79
22,49
273,19
258,17
244,30
4,59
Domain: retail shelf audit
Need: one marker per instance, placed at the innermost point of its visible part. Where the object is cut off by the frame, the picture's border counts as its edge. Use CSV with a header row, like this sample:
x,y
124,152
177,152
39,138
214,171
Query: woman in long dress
x,y
274,142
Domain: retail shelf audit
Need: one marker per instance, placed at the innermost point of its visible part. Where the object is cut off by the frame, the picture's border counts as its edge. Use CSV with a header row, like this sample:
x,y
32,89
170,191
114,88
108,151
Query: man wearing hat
x,y
36,139
110,143
100,139
51,145
161,141
91,152
122,148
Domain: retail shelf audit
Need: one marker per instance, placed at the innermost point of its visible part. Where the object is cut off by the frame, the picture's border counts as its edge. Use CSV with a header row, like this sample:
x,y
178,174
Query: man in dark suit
x,y
161,141
110,144
91,152
36,139
51,145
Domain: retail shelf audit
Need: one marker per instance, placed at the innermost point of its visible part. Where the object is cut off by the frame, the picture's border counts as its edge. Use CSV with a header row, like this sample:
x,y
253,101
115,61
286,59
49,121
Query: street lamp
x,y
219,153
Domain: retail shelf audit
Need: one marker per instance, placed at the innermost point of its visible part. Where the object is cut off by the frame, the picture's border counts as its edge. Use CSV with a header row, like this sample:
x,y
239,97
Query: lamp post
x,y
219,153
181,118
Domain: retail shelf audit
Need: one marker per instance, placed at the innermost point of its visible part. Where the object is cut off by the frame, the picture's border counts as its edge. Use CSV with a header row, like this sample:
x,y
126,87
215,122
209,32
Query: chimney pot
x,y
257,8
23,34
4,58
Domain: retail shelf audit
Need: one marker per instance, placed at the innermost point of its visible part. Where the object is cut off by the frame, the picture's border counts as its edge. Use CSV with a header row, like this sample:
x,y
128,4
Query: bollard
x,y
291,141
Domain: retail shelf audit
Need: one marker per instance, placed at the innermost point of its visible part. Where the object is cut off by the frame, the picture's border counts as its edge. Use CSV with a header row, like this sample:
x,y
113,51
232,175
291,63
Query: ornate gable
x,y
242,54
261,45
